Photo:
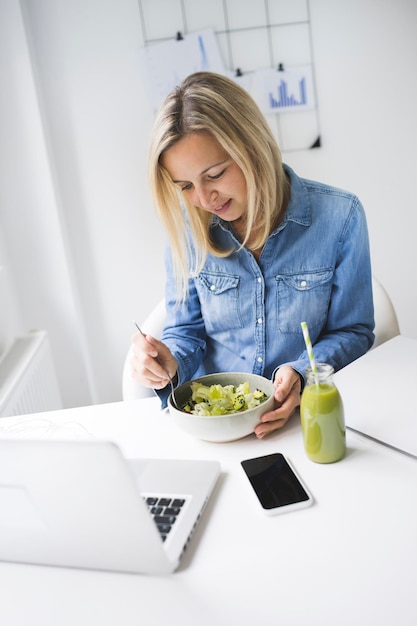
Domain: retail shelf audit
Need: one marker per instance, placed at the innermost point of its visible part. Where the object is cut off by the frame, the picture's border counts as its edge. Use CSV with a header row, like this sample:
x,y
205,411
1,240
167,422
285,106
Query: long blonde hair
x,y
210,102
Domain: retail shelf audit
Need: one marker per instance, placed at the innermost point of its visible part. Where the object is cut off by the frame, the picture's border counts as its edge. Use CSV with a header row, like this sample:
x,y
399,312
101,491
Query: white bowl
x,y
222,428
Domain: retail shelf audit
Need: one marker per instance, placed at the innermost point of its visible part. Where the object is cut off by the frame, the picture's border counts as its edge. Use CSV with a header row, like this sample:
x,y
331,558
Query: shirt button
x,y
212,287
260,320
259,279
259,359
303,283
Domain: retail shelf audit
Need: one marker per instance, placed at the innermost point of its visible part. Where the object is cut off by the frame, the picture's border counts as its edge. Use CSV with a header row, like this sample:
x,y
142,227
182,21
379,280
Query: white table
x,y
349,559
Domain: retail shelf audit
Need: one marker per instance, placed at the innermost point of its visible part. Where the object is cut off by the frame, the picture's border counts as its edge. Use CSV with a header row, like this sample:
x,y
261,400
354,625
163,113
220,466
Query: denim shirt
x,y
245,315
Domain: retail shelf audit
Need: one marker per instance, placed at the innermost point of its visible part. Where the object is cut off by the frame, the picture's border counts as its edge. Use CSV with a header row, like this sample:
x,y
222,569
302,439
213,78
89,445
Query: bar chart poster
x,y
265,45
167,63
289,90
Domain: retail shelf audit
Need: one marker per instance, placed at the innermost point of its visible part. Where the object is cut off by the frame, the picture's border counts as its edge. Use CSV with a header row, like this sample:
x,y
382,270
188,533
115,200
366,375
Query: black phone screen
x,y
274,481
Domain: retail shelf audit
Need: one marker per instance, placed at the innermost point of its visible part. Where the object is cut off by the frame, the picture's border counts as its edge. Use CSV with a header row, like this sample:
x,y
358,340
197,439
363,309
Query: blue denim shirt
x,y
245,315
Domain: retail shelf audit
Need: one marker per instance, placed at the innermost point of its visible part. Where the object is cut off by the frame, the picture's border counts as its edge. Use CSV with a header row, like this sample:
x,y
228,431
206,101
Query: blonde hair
x,y
210,102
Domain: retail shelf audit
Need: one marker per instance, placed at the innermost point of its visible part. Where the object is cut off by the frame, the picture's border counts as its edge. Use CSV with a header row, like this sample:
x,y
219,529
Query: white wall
x,y
80,238
10,319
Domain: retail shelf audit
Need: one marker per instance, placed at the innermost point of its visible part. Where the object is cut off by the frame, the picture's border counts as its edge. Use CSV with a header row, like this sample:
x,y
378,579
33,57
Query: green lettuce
x,y
222,399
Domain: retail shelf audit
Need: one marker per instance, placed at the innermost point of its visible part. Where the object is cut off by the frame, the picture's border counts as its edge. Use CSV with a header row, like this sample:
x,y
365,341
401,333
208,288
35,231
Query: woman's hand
x,y
287,396
151,362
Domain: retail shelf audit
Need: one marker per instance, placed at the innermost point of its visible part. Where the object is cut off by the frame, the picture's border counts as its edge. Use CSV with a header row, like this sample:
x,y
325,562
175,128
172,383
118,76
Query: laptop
x,y
377,392
82,504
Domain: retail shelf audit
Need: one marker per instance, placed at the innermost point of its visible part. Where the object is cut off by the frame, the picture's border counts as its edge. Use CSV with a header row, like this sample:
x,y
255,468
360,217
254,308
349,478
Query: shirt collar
x,y
299,207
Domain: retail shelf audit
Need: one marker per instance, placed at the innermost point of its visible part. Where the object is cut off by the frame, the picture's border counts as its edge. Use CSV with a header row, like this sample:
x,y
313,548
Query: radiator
x,y
28,382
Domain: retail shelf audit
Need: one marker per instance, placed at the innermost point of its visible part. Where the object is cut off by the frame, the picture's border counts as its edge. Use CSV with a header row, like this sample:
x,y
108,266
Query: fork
x,y
166,372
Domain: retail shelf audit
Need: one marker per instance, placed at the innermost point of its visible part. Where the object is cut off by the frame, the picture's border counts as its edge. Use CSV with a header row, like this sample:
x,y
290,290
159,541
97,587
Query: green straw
x,y
310,350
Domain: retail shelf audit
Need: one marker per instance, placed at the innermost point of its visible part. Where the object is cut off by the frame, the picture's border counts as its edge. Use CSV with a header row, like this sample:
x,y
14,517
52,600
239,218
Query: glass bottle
x,y
322,417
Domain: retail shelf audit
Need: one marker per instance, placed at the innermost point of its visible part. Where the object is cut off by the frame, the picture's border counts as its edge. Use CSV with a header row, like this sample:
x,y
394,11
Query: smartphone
x,y
276,484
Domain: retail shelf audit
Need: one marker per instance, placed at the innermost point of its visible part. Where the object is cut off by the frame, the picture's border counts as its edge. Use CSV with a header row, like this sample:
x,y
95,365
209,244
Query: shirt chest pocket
x,y
219,299
303,297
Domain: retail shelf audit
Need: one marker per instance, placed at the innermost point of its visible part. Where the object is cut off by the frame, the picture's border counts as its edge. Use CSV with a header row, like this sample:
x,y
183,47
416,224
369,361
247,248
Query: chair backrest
x,y
386,327
152,325
386,322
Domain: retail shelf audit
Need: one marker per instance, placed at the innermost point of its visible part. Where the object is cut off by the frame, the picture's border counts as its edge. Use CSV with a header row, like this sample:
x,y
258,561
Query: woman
x,y
254,251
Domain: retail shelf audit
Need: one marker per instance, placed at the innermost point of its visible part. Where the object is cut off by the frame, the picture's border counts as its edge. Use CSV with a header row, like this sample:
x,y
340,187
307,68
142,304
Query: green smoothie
x,y
322,422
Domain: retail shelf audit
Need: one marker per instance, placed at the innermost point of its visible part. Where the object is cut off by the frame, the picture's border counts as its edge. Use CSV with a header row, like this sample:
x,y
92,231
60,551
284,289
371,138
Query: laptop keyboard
x,y
165,511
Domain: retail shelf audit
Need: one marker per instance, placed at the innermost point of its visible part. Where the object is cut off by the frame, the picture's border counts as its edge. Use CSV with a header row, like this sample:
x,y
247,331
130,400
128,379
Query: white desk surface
x,y
378,394
349,559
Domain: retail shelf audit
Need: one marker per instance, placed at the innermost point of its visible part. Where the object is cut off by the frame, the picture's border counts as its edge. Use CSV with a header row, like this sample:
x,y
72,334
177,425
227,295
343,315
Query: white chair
x,y
386,322
386,327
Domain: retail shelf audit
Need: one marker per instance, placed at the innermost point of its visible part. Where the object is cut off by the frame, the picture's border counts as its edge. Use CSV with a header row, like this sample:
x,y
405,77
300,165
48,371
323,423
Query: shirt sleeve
x,y
184,330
